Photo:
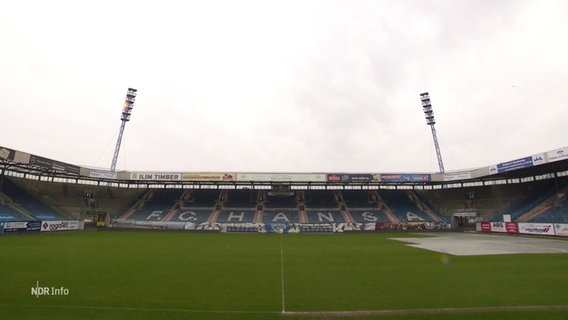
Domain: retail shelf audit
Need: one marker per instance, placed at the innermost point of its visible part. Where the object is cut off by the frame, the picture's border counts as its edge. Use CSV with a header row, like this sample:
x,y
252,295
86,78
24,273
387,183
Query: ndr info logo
x,y
49,291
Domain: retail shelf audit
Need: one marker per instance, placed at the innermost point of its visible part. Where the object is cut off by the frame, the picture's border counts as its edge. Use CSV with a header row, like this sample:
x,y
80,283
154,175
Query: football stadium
x,y
278,167
83,243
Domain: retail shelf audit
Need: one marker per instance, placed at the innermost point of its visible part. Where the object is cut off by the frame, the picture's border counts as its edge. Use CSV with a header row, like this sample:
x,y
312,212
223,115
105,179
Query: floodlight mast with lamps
x,y
126,112
429,114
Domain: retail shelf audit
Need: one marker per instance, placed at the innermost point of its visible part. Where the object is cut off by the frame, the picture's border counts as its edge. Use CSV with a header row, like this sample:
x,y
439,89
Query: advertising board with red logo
x,y
512,227
496,227
537,228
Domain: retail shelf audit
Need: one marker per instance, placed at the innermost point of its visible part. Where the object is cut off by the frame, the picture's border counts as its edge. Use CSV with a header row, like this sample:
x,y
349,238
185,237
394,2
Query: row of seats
x,y
23,206
556,213
8,213
21,201
241,206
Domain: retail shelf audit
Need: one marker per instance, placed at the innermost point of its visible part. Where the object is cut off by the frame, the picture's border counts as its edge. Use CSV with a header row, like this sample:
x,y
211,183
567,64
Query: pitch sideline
x,y
366,313
353,313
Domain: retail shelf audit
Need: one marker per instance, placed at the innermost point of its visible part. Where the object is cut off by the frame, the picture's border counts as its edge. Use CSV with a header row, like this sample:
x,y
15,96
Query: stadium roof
x,y
547,164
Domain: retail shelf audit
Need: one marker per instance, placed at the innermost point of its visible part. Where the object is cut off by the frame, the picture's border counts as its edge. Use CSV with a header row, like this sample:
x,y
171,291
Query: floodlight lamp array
x,y
427,108
128,104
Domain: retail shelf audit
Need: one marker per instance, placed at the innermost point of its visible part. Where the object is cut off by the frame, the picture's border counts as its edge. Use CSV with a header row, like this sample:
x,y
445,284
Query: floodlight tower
x,y
429,114
126,111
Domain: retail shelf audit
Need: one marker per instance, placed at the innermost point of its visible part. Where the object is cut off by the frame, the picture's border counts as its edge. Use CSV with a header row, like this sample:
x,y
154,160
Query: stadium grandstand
x,y
527,190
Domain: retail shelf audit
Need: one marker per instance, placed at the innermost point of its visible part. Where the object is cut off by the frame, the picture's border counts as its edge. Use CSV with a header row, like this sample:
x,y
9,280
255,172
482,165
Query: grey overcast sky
x,y
284,86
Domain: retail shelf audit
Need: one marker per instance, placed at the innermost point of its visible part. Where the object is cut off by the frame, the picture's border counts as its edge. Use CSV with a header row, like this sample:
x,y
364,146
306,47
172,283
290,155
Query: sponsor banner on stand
x,y
103,174
189,226
54,165
537,228
538,159
350,177
411,226
155,176
59,225
512,165
405,177
485,226
498,227
187,176
7,154
144,224
282,177
370,227
557,155
452,176
561,229
512,227
22,226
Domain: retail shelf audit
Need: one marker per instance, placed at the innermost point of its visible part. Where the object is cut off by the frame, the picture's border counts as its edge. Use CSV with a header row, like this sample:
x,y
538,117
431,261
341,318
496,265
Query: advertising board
x,y
557,155
22,226
512,165
54,165
59,225
498,227
561,229
187,176
102,174
155,176
353,177
537,228
512,227
282,177
7,154
143,224
405,177
452,176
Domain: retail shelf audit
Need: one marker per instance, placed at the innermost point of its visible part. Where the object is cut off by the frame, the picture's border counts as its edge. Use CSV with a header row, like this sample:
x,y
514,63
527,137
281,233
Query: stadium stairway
x,y
219,204
173,211
343,206
214,215
258,214
53,204
176,207
261,195
7,201
300,198
542,208
556,213
138,204
384,207
32,203
18,214
422,206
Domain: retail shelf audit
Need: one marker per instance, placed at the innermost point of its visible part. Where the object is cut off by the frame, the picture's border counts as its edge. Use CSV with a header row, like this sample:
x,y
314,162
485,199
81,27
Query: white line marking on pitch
x,y
353,313
139,309
282,273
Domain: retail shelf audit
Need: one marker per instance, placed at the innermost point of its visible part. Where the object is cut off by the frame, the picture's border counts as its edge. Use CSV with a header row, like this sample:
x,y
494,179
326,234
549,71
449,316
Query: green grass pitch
x,y
181,275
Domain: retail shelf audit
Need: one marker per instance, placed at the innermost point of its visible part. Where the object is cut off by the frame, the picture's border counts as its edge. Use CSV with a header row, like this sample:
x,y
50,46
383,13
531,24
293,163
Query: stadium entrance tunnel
x,y
464,221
